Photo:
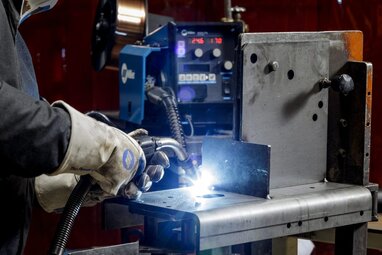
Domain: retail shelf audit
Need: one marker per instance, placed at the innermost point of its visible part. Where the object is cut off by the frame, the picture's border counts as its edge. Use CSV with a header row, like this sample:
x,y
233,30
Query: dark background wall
x,y
59,41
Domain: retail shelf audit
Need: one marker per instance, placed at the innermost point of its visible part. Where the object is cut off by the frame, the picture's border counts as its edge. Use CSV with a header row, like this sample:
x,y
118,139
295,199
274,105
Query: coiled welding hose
x,y
157,95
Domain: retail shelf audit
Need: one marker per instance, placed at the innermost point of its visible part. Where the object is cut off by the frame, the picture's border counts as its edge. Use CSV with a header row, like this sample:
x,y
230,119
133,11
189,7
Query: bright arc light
x,y
203,184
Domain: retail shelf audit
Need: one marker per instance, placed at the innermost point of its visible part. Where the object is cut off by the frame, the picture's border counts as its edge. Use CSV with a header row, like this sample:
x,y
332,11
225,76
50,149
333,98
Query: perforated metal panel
x,y
283,106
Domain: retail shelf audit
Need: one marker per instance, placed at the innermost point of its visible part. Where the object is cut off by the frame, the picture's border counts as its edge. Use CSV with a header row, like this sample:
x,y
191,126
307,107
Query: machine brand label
x,y
126,73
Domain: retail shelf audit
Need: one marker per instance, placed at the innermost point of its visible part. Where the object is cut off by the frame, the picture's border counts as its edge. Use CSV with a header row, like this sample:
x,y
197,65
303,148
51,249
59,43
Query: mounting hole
x,y
314,117
299,223
164,202
367,154
289,225
326,218
253,58
361,213
312,187
369,93
368,124
320,104
170,197
290,74
211,195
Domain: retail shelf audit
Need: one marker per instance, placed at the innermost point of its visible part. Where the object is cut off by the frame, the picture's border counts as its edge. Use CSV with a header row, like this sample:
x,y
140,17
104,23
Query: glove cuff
x,y
53,192
88,149
106,153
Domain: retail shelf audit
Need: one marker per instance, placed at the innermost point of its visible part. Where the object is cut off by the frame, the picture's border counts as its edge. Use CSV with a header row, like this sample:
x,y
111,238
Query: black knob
x,y
342,83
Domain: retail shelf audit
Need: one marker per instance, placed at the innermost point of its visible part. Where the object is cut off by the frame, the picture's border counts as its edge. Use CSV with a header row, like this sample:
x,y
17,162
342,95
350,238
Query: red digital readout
x,y
197,40
201,40
216,40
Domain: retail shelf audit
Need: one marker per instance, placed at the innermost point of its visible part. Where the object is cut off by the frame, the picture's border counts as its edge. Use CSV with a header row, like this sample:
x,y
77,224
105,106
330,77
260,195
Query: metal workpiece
x,y
315,133
126,249
344,45
286,108
234,165
223,219
300,159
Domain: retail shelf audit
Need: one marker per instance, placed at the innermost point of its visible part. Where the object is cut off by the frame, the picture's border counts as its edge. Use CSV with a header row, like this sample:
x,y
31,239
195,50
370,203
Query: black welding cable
x,y
173,118
72,207
157,95
75,201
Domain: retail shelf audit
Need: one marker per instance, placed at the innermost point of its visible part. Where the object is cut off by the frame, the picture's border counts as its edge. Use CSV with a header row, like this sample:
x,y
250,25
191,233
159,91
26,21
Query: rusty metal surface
x,y
354,45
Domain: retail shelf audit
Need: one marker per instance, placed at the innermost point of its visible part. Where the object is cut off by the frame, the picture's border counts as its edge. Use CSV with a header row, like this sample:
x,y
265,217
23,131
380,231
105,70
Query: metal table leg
x,y
351,240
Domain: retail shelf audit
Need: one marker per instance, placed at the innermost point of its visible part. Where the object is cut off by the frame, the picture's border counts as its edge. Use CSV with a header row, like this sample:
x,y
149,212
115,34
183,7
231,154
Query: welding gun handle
x,y
151,144
147,144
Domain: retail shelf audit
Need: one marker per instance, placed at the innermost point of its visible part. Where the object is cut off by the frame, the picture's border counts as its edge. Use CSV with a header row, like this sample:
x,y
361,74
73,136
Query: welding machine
x,y
194,62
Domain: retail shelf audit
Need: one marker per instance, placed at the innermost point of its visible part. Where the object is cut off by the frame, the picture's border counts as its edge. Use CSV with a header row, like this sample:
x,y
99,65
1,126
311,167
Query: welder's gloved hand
x,y
110,156
53,192
154,171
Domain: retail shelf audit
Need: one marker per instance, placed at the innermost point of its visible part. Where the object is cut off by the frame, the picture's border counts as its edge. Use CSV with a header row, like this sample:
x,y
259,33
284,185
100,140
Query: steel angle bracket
x,y
177,219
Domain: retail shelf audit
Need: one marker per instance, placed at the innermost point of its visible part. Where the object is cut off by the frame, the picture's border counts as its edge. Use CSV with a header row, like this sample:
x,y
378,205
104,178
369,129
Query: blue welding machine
x,y
196,61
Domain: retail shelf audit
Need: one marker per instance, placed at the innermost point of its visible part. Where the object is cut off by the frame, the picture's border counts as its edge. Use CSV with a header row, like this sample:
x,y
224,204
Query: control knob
x,y
228,65
216,52
198,52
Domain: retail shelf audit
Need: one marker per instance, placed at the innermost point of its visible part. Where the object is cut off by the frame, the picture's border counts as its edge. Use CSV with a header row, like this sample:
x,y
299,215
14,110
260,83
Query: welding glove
x,y
52,192
111,157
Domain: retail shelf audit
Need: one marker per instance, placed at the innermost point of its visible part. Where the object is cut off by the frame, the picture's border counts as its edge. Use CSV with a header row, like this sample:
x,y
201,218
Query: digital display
x,y
196,68
216,40
202,40
197,40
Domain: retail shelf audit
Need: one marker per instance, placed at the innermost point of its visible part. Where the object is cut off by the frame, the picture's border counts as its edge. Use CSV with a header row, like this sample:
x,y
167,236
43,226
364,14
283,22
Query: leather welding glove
x,y
110,156
52,192
153,172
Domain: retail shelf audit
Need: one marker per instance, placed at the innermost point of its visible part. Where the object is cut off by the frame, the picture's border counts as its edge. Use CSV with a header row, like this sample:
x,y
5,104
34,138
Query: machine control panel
x,y
204,61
